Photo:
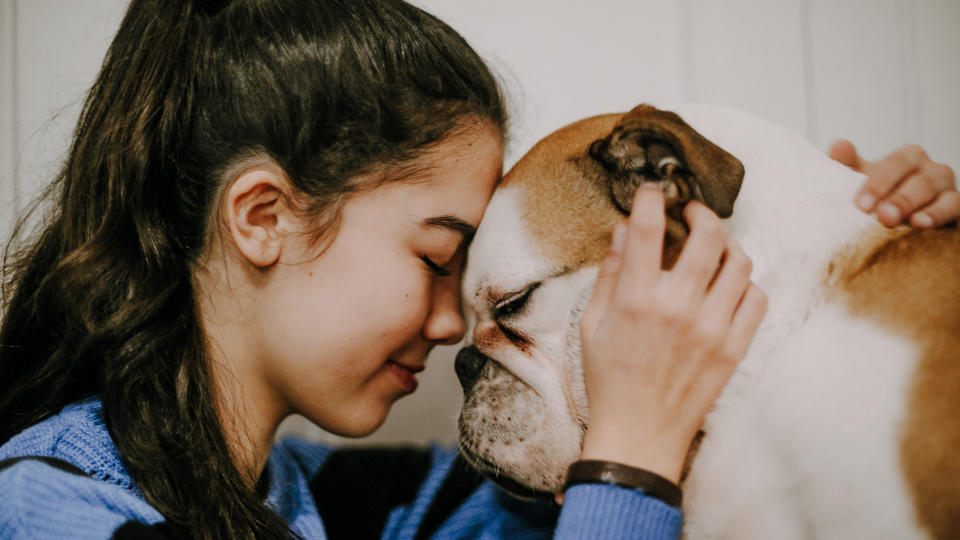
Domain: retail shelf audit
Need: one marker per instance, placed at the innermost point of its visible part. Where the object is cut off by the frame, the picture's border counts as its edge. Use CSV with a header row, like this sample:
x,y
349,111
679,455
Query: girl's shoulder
x,y
42,500
76,435
63,477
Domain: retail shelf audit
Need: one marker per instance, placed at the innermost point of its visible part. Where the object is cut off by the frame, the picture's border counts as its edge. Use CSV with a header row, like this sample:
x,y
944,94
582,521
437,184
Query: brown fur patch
x,y
570,220
909,282
488,337
566,194
491,337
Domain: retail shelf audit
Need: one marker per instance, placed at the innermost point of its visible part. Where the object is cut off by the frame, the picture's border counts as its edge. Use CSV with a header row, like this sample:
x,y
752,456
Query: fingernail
x,y
619,238
889,211
866,201
922,220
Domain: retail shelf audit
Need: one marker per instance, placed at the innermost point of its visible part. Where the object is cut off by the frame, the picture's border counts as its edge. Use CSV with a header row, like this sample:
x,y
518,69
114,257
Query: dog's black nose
x,y
468,365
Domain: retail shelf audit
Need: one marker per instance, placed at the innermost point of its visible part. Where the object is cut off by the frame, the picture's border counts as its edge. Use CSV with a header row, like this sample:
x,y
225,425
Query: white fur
x,y
803,442
821,394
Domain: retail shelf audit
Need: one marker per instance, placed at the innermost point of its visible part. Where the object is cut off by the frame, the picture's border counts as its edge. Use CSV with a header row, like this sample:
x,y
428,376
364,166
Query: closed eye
x,y
435,268
513,305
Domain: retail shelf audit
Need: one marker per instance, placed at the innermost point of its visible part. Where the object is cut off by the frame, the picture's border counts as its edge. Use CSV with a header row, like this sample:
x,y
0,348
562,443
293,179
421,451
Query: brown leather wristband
x,y
590,471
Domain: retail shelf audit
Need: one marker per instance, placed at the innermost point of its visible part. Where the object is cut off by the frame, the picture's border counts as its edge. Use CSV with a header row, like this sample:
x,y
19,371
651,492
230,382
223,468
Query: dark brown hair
x,y
100,301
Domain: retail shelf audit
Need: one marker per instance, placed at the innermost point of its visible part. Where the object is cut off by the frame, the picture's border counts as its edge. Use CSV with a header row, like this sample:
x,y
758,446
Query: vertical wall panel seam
x,y
15,105
909,70
809,83
687,50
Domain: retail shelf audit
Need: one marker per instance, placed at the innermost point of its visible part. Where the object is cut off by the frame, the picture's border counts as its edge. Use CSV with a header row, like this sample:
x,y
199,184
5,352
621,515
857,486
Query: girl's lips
x,y
405,375
416,368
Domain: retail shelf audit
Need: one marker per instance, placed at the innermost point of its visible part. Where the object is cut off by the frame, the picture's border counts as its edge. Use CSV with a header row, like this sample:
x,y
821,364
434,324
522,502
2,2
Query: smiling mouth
x,y
416,368
405,375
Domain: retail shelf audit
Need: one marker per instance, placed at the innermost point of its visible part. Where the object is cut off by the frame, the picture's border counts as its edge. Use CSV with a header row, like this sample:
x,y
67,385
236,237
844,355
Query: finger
x,y
643,245
845,152
885,175
943,210
701,254
608,272
919,189
730,285
746,321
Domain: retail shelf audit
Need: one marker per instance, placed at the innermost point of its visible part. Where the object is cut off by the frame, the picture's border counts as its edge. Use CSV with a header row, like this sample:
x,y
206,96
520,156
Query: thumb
x,y
843,151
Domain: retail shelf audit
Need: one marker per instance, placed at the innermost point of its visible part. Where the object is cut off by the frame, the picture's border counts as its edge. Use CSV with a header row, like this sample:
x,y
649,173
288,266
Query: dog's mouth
x,y
499,403
500,429
491,471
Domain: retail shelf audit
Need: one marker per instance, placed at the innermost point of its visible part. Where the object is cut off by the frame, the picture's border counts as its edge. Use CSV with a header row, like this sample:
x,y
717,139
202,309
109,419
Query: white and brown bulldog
x,y
843,421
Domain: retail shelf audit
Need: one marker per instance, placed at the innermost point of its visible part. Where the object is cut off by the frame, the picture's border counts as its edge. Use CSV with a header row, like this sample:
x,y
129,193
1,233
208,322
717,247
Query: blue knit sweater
x,y
321,491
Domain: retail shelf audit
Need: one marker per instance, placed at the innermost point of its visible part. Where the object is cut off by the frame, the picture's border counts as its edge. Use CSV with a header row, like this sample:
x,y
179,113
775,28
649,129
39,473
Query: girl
x,y
264,211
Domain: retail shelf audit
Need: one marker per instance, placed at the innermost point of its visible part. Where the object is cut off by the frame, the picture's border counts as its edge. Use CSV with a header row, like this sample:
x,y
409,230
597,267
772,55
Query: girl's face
x,y
339,337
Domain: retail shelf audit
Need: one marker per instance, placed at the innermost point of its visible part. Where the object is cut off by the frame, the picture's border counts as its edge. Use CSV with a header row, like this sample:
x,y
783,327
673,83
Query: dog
x,y
841,421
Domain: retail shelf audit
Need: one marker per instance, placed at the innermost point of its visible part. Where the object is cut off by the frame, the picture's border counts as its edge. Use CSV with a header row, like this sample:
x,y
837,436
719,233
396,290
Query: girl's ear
x,y
257,213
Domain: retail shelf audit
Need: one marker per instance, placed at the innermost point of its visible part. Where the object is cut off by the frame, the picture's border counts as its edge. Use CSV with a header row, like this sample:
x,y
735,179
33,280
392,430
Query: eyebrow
x,y
451,223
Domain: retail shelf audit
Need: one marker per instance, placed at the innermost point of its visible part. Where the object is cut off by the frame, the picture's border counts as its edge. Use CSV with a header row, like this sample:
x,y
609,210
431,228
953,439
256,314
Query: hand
x,y
905,184
659,346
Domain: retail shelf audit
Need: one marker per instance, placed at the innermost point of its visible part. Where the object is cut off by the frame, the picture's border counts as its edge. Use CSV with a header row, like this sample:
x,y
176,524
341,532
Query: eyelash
x,y
514,305
434,267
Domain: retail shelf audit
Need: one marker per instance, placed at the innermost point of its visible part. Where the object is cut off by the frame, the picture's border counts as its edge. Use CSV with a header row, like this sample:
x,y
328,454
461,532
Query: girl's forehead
x,y
479,145
454,180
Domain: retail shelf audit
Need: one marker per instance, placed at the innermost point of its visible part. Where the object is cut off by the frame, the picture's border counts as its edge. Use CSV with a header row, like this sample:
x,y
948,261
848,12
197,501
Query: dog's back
x,y
842,421
910,285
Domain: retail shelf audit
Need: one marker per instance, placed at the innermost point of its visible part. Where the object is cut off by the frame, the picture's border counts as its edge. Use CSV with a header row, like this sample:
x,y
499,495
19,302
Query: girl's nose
x,y
445,324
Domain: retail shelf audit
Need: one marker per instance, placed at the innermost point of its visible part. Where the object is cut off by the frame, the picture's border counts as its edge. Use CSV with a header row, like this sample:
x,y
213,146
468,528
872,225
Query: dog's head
x,y
532,266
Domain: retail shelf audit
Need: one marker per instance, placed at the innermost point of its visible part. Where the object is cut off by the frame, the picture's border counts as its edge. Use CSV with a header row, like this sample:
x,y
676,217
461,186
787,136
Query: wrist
x,y
656,455
618,474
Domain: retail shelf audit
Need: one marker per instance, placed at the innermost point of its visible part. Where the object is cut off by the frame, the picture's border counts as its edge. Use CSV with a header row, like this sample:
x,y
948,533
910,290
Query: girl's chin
x,y
358,426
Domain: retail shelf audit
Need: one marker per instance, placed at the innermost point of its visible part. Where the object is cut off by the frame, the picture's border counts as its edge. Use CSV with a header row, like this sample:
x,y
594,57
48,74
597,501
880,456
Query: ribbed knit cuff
x,y
601,511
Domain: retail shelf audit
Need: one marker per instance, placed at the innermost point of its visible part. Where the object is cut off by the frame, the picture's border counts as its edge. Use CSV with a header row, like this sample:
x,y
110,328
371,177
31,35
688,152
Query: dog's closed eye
x,y
513,304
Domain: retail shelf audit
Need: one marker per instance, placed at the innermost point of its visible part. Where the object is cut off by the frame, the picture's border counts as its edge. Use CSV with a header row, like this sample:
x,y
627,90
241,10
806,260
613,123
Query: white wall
x,y
50,51
880,72
8,116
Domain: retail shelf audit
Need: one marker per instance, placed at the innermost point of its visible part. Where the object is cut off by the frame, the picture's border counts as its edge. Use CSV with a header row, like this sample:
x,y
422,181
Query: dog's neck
x,y
795,228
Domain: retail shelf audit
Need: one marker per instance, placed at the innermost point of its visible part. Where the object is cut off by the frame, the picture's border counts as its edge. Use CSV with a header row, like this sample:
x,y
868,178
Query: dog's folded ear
x,y
650,145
